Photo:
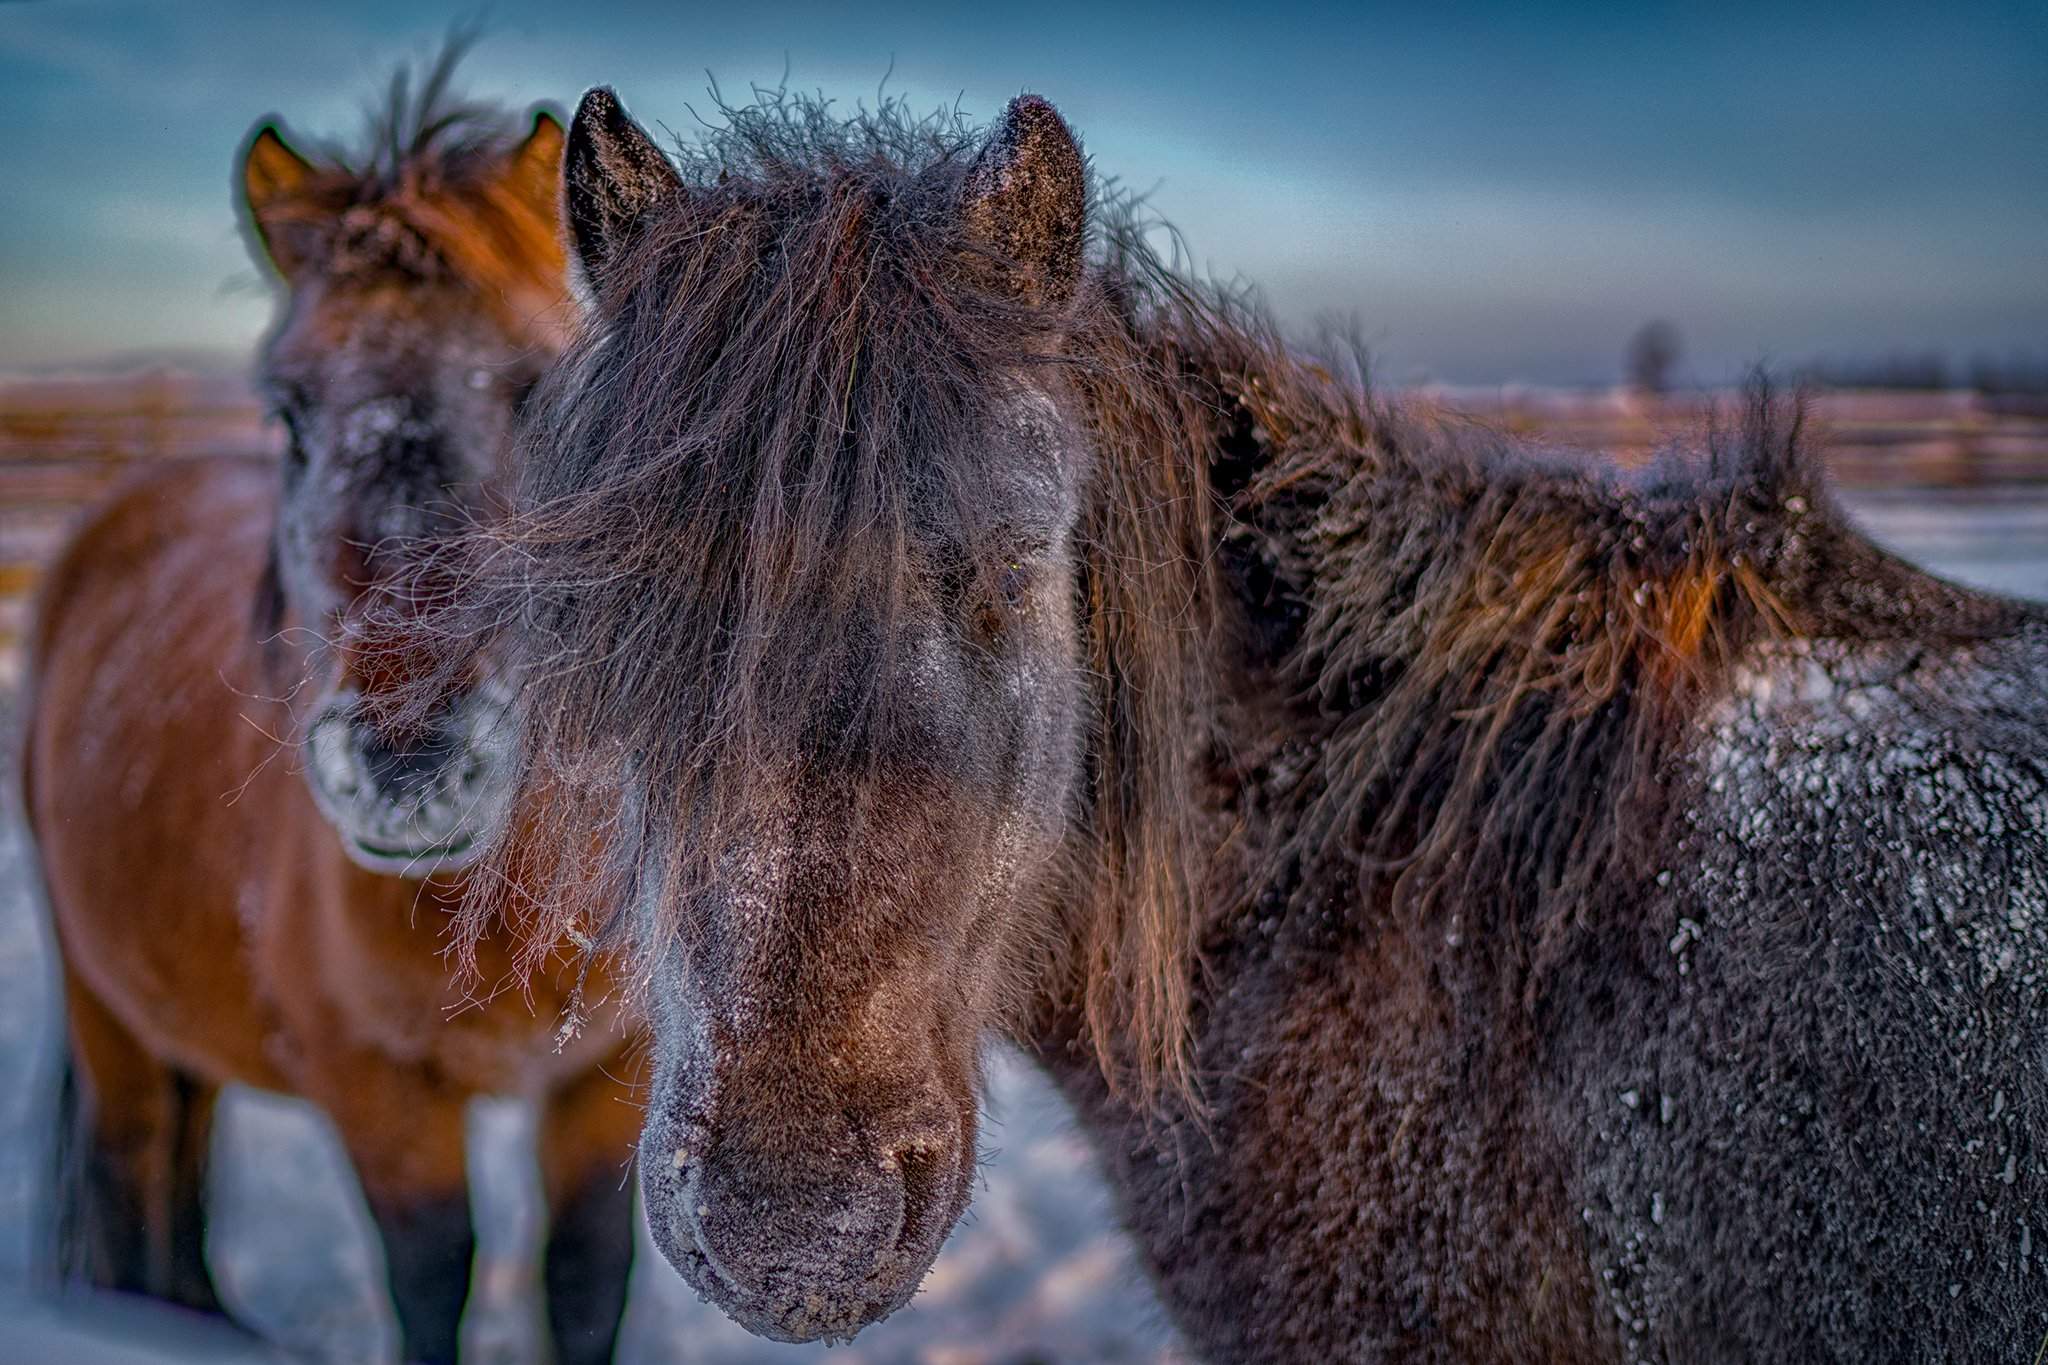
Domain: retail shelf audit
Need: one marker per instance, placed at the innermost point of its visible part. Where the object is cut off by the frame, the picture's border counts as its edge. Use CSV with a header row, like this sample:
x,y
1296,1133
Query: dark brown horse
x,y
1486,908
249,876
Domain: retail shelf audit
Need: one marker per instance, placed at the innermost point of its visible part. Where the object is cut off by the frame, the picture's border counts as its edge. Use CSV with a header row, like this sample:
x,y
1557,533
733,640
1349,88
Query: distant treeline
x,y
2015,374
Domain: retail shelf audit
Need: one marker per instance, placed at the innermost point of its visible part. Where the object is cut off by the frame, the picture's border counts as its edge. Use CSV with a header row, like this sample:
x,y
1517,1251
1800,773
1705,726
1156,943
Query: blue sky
x,y
1493,193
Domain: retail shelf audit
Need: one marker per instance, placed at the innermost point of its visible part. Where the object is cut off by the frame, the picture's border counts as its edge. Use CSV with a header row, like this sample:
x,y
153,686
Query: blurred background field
x,y
1937,466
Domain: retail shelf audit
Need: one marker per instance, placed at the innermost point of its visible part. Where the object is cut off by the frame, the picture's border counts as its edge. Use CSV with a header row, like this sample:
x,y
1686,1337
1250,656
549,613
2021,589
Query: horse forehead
x,y
1036,466
369,429
381,329
1044,432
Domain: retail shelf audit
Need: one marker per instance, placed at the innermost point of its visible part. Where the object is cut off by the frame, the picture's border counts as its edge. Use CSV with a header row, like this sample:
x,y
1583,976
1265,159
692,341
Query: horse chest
x,y
1356,1191
362,967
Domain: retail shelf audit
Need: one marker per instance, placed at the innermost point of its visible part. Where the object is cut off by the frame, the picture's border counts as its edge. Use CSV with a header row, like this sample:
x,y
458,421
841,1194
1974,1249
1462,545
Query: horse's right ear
x,y
273,180
534,169
1025,205
612,174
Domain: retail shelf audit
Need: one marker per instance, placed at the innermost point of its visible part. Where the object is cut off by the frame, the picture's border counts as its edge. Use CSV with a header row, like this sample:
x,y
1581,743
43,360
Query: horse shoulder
x,y
142,738
1351,1189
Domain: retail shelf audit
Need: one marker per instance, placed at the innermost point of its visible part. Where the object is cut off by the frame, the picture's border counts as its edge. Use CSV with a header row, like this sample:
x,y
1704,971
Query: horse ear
x,y
534,170
612,174
1025,202
272,181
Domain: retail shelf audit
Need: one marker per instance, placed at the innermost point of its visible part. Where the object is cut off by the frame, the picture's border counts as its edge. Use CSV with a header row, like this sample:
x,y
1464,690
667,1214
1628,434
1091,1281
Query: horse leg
x,y
587,1132
131,1192
405,1134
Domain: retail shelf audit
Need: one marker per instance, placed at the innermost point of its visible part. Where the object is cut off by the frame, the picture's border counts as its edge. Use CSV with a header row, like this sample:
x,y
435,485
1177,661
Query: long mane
x,y
1483,659
743,454
1455,673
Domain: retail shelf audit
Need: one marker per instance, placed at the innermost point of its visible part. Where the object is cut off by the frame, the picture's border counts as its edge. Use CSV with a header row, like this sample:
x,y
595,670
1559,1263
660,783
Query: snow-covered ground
x,y
1995,538
1037,1273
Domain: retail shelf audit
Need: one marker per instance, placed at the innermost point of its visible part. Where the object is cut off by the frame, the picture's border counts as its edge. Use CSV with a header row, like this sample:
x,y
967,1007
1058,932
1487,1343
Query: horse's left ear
x,y
534,169
612,175
273,178
1025,202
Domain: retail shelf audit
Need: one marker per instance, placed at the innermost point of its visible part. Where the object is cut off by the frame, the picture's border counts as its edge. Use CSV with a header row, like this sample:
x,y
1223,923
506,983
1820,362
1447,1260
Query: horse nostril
x,y
922,1157
330,741
402,766
921,1169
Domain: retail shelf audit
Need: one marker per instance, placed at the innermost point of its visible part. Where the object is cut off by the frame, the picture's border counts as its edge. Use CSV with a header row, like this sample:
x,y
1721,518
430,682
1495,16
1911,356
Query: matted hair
x,y
792,372
1468,663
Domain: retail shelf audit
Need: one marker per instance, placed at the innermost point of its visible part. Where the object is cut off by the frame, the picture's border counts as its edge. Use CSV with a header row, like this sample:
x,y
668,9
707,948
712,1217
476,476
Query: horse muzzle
x,y
814,1246
414,804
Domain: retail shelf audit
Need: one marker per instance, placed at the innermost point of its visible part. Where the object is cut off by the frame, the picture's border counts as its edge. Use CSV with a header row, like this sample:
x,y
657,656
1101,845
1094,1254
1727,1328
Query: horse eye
x,y
1000,607
294,449
1013,583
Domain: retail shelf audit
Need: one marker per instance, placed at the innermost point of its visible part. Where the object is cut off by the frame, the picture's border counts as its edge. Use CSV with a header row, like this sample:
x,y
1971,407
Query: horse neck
x,y
1452,681
1465,668
1286,684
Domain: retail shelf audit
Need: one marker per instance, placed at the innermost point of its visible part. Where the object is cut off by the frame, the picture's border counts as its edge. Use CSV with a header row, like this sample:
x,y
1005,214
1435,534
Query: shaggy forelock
x,y
779,428
418,193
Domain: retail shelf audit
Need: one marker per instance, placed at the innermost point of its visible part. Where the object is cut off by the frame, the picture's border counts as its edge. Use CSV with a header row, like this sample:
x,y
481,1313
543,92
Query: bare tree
x,y
1652,353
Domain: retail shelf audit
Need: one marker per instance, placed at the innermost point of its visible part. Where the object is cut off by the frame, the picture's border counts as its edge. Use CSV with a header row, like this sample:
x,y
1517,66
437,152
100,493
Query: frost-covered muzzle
x,y
809,1235
418,803
801,1166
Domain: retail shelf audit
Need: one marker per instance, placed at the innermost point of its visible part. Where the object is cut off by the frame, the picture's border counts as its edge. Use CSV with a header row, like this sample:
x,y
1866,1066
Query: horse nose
x,y
356,753
818,1242
924,1154
784,1240
401,767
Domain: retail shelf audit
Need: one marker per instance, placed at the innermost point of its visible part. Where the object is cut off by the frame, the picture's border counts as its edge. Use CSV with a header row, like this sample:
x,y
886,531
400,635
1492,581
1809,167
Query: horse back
x,y
1811,1113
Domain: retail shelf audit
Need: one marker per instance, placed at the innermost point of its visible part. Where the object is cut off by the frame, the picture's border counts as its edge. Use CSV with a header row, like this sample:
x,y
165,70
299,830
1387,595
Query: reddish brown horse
x,y
249,876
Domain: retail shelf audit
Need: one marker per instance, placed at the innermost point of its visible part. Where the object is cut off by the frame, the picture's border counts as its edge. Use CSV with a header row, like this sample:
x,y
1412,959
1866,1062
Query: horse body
x,y
1791,1111
141,740
1765,1089
250,869
1829,1065
1486,908
178,834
